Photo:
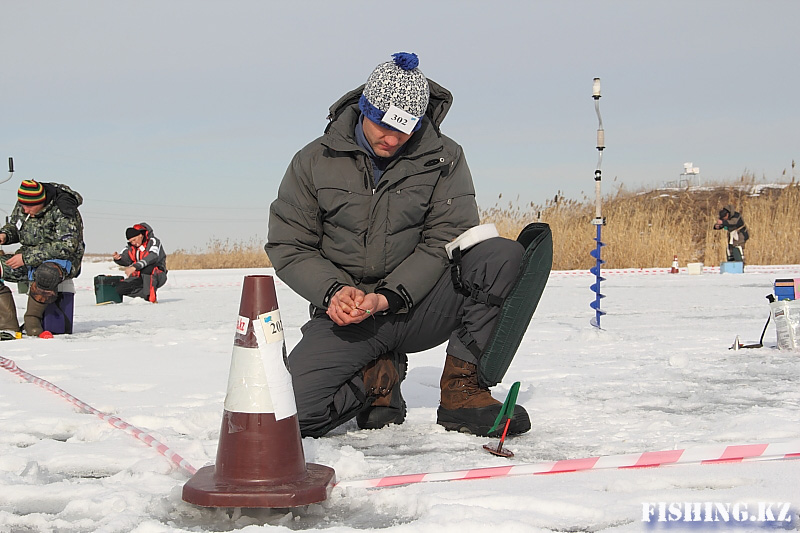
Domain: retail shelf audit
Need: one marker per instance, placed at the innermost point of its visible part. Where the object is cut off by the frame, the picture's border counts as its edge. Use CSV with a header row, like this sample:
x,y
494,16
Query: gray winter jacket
x,y
330,227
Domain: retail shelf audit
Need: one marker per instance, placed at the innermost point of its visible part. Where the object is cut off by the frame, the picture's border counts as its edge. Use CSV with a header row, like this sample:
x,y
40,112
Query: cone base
x,y
206,491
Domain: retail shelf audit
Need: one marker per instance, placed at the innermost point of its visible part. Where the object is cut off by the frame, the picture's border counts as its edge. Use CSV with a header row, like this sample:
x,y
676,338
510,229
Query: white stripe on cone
x,y
259,381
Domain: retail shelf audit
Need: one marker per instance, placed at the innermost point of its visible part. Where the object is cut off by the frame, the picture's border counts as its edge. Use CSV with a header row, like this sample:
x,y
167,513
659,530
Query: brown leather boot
x,y
33,317
382,378
467,407
8,310
459,386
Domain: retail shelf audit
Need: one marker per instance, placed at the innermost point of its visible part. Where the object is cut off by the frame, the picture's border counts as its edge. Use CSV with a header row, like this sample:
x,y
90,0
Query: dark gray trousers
x,y
326,363
142,286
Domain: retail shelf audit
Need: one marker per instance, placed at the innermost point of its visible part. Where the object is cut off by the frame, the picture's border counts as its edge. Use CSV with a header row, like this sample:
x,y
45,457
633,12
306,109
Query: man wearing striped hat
x,y
48,227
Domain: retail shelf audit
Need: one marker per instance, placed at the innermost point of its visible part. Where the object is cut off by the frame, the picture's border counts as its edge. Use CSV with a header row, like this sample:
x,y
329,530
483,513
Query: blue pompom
x,y
406,60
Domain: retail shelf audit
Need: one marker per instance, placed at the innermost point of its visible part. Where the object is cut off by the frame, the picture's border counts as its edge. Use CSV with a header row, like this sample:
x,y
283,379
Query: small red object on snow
x,y
45,335
499,451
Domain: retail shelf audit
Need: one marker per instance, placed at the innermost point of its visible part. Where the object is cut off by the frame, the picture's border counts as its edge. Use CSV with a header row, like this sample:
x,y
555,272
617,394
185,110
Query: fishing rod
x,y
10,170
10,175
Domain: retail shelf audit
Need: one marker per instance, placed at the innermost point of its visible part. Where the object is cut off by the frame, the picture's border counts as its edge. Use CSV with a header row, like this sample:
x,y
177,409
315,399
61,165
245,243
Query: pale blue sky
x,y
185,114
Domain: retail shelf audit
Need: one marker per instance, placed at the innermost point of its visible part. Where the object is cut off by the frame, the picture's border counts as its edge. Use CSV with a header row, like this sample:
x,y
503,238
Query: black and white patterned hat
x,y
398,82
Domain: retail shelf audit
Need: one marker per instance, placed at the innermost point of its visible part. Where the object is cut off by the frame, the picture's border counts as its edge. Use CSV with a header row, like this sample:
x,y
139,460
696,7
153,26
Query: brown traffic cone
x,y
260,460
674,269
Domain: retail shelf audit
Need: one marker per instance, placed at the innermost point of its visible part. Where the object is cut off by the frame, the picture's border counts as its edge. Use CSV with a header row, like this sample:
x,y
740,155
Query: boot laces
x,y
467,383
380,377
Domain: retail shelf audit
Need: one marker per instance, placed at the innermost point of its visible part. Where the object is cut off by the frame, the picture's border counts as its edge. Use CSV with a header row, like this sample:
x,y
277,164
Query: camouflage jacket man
x,y
56,232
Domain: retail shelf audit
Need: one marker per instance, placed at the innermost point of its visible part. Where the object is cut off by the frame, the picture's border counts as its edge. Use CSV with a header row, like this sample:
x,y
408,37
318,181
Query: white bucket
x,y
694,268
786,315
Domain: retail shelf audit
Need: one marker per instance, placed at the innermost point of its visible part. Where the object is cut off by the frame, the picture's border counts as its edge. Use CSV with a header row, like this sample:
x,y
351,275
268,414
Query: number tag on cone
x,y
273,357
272,325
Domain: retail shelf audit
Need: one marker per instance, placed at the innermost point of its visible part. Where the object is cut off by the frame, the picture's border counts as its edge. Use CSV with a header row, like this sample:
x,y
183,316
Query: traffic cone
x,y
260,460
674,269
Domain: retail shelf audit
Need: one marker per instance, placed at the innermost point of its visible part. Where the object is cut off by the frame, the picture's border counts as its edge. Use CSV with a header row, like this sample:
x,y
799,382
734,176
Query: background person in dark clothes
x,y
732,221
145,263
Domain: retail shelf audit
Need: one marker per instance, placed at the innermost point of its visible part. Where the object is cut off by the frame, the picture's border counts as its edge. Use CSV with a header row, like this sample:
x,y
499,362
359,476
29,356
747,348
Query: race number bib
x,y
400,120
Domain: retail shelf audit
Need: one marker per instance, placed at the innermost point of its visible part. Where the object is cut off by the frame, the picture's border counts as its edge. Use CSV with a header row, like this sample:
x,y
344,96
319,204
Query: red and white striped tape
x,y
698,455
751,269
115,421
178,285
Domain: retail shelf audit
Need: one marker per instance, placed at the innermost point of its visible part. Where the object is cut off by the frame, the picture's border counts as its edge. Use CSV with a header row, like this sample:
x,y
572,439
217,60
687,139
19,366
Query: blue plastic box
x,y
784,289
784,293
731,267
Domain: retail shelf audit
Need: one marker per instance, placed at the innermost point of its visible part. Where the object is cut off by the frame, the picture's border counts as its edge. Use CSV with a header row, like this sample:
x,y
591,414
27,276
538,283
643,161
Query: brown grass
x,y
221,254
644,229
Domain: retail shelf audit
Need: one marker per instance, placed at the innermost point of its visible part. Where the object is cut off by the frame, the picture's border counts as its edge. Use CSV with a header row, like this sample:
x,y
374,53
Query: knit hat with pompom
x,y
396,83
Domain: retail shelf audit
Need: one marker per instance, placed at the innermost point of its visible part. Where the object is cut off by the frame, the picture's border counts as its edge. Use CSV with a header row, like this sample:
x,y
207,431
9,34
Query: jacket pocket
x,y
340,208
409,203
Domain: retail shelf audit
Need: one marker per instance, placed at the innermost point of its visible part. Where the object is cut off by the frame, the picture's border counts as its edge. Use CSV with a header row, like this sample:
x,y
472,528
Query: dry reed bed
x,y
221,254
648,229
644,229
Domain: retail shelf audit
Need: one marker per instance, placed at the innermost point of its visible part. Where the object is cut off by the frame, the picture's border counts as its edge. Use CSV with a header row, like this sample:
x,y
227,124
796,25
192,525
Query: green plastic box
x,y
105,289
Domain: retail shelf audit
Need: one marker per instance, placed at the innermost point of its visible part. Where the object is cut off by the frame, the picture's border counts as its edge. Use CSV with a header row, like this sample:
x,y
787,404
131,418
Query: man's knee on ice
x,y
46,279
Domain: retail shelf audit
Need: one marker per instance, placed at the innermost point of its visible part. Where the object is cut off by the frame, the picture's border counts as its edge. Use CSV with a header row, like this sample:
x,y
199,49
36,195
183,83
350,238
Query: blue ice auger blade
x,y
596,288
596,254
596,271
595,321
596,304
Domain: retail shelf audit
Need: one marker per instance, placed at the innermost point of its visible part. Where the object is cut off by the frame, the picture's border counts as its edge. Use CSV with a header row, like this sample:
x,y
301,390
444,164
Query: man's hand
x,y
15,261
3,238
115,256
351,306
130,270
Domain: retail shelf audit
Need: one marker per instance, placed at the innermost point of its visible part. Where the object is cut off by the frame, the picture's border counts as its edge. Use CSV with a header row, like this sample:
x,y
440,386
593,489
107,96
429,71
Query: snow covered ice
x,y
658,376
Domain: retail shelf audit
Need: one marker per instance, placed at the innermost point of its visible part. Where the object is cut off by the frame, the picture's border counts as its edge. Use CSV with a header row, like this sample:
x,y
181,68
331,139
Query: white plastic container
x,y
694,268
786,315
